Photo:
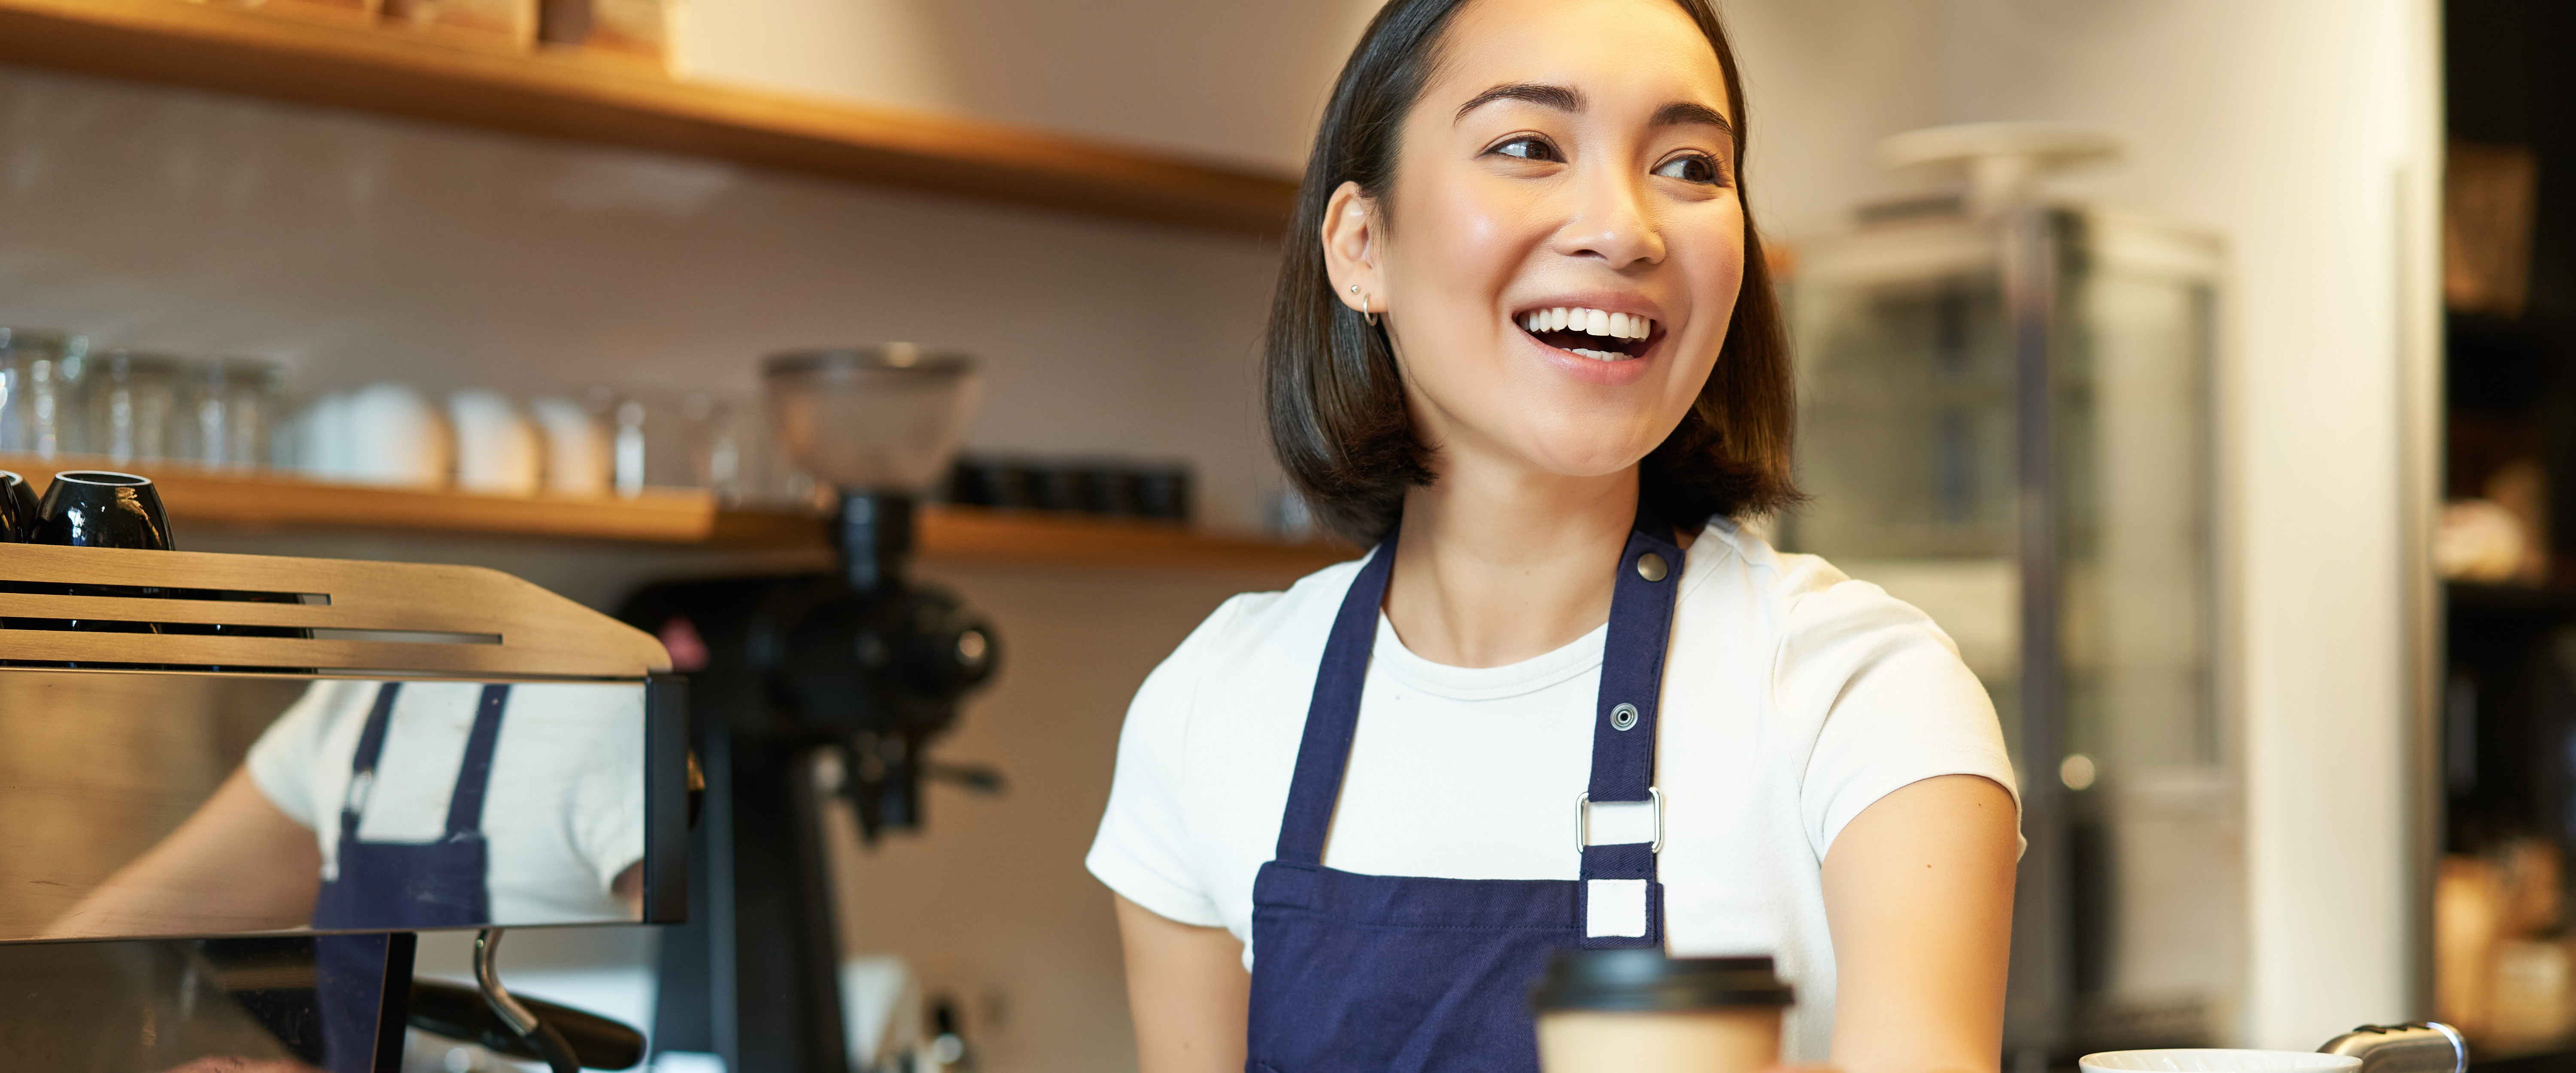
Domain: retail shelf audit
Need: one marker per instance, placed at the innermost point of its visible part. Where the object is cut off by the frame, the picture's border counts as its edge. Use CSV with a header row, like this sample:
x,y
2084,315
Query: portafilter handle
x,y
2413,1047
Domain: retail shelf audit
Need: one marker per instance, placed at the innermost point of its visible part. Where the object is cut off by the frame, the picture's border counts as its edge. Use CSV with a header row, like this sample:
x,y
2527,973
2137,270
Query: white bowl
x,y
2214,1060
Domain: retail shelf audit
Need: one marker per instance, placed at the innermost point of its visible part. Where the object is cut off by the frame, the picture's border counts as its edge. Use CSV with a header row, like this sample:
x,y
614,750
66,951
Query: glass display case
x,y
2007,422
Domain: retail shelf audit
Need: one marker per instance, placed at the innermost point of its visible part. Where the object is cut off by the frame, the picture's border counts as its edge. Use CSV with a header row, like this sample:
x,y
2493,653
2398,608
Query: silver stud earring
x,y
1355,288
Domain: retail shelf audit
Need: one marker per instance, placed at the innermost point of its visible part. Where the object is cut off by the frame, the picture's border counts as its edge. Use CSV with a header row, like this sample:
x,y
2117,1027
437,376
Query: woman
x,y
1525,344
457,805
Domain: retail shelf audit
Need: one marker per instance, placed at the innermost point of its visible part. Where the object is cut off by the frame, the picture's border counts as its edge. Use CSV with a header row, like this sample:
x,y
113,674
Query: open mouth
x,y
1590,333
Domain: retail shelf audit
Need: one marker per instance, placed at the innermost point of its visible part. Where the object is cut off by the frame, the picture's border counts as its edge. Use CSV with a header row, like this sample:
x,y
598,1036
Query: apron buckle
x,y
1583,820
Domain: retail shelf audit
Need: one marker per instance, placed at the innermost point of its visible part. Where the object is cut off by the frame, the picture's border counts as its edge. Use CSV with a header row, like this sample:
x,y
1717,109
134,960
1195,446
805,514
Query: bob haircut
x,y
1335,398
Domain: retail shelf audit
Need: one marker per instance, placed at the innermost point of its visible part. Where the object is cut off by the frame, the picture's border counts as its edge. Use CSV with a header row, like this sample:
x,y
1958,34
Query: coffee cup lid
x,y
1646,980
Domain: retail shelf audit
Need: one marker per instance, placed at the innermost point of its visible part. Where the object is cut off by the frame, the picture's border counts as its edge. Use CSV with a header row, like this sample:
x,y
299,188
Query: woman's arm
x,y
1918,892
1188,992
237,864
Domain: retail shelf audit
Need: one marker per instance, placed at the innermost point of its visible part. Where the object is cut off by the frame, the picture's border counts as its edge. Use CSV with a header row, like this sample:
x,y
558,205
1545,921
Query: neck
x,y
1495,568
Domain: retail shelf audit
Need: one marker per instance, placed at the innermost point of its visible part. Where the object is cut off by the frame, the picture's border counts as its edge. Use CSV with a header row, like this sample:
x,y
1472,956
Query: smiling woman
x,y
1523,325
1337,399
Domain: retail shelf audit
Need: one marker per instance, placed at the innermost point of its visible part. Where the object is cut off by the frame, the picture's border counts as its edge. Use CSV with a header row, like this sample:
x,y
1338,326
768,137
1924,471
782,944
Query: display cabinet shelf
x,y
567,94
198,500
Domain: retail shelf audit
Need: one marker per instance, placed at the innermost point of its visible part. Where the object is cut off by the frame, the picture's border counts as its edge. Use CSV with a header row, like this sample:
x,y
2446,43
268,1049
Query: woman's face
x,y
1561,254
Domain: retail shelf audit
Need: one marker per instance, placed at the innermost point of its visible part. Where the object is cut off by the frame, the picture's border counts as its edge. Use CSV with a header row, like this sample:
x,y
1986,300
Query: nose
x,y
1611,220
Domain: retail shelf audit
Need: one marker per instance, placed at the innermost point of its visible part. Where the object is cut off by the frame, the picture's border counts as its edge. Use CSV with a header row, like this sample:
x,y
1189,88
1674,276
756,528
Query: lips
x,y
1591,333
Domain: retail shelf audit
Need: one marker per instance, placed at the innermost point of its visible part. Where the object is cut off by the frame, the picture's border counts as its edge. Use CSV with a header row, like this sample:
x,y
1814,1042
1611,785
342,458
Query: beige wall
x,y
360,249
1229,79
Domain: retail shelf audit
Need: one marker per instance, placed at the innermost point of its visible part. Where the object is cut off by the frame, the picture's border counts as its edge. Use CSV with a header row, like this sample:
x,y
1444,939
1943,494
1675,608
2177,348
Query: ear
x,y
1350,234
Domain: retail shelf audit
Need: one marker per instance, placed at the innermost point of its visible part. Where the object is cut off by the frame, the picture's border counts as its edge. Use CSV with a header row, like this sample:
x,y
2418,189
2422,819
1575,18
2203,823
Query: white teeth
x,y
1589,322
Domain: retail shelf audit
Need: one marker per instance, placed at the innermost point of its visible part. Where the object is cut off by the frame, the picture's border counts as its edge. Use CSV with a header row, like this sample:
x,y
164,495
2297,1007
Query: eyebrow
x,y
1566,99
1686,113
1560,98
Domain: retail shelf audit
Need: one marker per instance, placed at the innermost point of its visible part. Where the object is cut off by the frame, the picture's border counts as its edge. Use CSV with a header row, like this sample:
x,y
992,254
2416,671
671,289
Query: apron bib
x,y
397,885
1400,974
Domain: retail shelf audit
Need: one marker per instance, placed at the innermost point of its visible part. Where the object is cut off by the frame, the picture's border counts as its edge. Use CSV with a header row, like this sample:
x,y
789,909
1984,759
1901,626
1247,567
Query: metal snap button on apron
x,y
1650,566
1623,717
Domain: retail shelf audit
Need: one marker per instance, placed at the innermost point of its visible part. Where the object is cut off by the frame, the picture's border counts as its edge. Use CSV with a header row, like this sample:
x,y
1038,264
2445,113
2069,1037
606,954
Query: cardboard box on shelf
x,y
503,24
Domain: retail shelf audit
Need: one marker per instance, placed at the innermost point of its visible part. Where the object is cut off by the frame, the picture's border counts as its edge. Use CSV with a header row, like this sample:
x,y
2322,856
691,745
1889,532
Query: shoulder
x,y
1809,605
288,756
1818,632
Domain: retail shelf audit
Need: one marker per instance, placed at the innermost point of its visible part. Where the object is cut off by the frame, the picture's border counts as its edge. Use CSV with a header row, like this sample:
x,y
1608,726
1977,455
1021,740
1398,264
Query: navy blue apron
x,y
397,886
1400,974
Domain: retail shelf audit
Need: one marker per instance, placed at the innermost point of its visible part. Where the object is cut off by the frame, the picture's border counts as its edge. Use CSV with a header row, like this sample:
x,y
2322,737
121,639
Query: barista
x,y
1525,344
384,806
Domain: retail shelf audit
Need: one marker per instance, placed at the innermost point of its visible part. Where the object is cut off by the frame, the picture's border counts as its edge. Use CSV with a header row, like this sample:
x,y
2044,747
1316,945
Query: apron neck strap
x,y
1632,665
473,776
1334,713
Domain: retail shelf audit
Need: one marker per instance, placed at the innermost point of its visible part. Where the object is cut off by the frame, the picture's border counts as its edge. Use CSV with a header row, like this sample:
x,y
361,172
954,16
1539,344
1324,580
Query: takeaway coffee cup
x,y
96,509
1637,1011
2217,1060
17,509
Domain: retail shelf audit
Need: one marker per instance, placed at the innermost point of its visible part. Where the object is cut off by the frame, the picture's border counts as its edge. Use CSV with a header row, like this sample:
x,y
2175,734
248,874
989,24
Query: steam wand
x,y
548,1042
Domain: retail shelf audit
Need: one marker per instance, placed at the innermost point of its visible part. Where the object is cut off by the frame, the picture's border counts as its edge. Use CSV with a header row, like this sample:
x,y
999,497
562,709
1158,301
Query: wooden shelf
x,y
198,501
610,101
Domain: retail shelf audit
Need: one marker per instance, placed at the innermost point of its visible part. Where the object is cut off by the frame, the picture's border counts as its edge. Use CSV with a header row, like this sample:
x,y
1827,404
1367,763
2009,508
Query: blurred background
x,y
2214,403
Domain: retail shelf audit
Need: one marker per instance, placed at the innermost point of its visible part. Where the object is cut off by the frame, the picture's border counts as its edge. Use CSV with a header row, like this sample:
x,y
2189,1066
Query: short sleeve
x,y
282,762
607,806
1892,702
1142,851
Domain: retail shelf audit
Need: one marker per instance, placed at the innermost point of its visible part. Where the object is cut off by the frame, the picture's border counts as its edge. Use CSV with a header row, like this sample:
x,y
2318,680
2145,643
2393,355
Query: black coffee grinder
x,y
863,666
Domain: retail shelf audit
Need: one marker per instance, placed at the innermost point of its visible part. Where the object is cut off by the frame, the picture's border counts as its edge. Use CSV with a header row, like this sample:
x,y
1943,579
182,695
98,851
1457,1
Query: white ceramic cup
x,y
577,448
396,437
2215,1060
497,450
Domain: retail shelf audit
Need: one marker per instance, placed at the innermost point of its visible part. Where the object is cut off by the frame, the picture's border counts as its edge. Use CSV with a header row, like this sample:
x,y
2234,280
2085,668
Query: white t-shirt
x,y
1793,698
562,816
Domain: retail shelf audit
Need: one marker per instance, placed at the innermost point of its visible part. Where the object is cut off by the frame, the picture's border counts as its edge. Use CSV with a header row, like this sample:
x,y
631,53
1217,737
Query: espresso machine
x,y
143,926
811,686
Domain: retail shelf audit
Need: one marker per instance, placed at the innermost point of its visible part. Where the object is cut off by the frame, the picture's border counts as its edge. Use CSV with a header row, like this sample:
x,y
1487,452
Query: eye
x,y
1692,168
1528,147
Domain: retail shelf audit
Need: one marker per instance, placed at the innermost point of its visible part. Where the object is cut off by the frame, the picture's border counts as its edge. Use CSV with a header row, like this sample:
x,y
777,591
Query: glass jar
x,y
134,406
229,411
40,392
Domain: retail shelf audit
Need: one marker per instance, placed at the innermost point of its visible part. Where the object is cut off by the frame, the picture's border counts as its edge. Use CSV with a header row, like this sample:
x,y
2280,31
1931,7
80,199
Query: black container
x,y
1164,492
17,509
98,509
1064,488
1645,981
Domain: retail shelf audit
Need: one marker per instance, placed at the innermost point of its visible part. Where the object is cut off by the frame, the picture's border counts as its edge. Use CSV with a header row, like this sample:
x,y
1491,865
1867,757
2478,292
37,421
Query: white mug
x,y
497,450
577,448
395,437
2216,1060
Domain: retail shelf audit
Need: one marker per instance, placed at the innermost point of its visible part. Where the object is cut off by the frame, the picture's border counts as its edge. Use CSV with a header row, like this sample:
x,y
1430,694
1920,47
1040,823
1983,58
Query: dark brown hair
x,y
1338,420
